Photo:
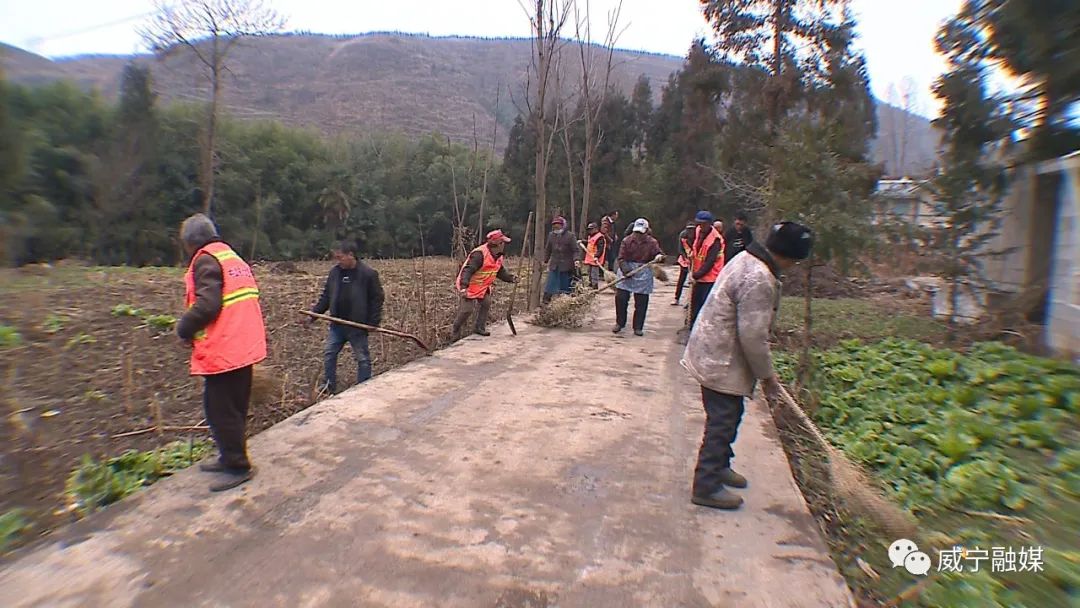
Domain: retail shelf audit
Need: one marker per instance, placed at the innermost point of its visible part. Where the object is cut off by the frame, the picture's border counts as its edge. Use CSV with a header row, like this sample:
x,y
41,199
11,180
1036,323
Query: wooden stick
x,y
626,276
129,381
158,429
521,269
158,420
139,432
991,515
381,330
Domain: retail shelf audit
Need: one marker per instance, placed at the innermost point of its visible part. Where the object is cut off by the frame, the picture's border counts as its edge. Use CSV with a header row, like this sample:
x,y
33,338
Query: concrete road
x,y
548,469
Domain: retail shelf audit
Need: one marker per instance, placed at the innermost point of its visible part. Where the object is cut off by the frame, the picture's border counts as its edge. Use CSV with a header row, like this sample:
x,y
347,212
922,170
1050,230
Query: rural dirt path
x,y
548,469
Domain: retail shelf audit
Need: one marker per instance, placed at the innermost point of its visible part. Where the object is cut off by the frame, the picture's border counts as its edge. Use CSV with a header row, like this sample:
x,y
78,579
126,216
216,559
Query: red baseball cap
x,y
497,235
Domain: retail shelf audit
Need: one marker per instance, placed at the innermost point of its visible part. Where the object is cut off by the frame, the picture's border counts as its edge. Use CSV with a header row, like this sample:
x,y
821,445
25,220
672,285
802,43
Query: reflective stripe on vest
x,y
482,280
590,251
702,252
237,337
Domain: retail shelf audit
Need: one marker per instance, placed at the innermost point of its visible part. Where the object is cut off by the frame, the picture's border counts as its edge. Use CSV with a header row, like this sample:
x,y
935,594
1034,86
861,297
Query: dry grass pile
x,y
566,311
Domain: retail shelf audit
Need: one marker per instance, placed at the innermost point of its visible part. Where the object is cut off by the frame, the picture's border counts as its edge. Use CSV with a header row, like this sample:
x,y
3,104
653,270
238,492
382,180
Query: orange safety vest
x,y
686,253
237,337
703,250
482,280
590,251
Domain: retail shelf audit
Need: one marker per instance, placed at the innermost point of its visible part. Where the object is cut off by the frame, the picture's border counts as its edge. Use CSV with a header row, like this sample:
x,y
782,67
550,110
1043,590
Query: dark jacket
x,y
710,255
561,251
736,241
475,261
208,285
365,296
639,248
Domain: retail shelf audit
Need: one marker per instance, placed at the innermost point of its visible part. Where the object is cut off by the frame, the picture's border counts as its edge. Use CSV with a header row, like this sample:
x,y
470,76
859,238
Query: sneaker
x,y
639,332
232,478
483,332
675,303
732,479
720,499
616,329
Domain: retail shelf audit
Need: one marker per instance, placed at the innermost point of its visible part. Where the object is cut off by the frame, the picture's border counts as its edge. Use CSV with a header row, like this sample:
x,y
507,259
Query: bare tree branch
x,y
209,29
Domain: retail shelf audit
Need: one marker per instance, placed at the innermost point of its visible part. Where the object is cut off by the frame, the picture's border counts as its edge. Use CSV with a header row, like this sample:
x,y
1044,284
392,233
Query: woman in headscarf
x,y
637,250
562,256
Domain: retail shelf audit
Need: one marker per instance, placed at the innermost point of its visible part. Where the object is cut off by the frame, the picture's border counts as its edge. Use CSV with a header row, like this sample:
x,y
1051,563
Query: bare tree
x,y
901,125
487,168
547,18
208,29
567,123
594,89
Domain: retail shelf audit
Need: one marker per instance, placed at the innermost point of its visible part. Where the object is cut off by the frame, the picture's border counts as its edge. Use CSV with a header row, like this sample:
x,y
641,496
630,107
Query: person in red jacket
x,y
224,328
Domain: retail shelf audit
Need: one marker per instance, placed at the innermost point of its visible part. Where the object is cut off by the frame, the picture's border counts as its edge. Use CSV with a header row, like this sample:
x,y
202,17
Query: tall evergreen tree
x,y
968,188
1037,42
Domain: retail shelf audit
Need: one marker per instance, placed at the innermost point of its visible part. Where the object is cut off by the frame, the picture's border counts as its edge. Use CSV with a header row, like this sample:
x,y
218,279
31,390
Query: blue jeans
x,y
557,282
335,341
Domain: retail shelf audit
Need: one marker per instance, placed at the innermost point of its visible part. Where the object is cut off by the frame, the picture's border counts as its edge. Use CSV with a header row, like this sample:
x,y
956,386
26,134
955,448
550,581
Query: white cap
x,y
641,224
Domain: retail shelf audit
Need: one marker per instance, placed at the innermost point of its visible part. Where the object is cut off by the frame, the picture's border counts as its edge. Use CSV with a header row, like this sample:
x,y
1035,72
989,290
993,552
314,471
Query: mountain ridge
x,y
400,82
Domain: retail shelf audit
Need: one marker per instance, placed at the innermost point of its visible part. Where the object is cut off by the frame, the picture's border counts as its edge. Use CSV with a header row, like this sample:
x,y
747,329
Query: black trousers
x,y
683,271
698,295
723,413
622,303
225,402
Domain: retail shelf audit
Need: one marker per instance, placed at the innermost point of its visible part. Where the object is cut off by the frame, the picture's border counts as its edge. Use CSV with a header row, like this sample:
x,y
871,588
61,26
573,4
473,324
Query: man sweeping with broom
x,y
728,352
476,280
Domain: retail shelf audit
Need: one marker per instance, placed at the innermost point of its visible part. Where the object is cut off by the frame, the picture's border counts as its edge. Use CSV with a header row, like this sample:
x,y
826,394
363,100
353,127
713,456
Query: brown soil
x,y
82,375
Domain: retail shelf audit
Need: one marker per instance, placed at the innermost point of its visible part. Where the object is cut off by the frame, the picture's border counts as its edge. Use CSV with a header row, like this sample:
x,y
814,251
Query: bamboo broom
x,y
851,485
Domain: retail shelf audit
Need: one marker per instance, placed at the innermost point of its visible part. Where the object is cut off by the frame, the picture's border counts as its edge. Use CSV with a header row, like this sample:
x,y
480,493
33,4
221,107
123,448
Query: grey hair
x,y
197,230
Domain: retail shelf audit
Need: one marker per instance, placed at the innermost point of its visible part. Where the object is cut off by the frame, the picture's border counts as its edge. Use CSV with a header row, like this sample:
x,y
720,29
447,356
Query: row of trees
x,y
110,184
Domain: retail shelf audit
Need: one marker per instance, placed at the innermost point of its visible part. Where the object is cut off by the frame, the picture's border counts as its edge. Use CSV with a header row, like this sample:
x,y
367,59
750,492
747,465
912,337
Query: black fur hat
x,y
790,240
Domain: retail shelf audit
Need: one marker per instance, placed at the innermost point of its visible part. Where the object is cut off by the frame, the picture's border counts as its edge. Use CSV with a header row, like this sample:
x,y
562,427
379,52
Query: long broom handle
x,y
626,276
381,330
521,263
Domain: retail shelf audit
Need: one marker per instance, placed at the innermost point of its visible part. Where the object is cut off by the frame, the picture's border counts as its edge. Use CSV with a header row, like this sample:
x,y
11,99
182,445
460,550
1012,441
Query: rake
x,y
381,330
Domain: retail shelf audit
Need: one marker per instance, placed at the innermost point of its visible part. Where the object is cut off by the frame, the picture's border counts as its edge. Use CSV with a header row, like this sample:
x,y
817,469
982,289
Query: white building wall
x,y
1063,319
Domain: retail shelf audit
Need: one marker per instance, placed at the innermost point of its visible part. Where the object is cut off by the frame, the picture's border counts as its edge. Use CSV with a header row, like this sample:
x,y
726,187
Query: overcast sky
x,y
897,36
